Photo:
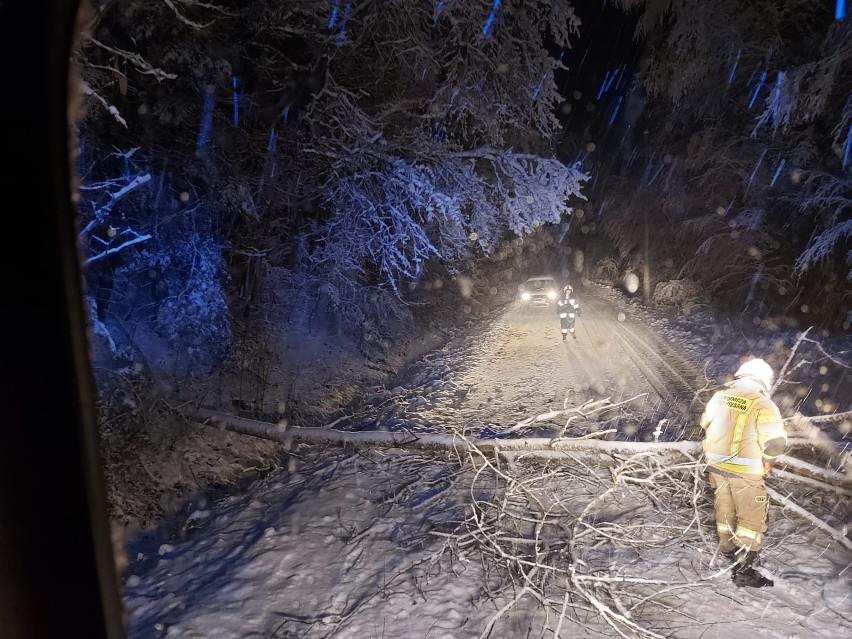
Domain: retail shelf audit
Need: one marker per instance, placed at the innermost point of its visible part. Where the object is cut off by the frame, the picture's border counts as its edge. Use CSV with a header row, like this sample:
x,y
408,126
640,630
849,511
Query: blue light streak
x,y
775,103
271,145
840,10
615,109
754,171
611,78
236,101
847,148
733,72
757,88
486,28
332,20
537,90
778,172
603,86
341,37
438,9
206,120
656,175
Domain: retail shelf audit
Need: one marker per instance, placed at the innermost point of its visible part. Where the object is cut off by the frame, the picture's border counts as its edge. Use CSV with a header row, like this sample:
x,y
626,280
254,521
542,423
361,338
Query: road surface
x,y
518,367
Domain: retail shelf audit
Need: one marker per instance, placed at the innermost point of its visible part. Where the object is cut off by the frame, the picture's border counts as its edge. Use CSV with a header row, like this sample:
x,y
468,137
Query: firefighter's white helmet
x,y
757,369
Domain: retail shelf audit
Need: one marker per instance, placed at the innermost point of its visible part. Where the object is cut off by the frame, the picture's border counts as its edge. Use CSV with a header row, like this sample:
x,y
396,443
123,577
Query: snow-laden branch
x,y
821,246
837,535
806,468
191,23
396,214
790,358
588,409
116,249
140,63
111,108
803,479
101,213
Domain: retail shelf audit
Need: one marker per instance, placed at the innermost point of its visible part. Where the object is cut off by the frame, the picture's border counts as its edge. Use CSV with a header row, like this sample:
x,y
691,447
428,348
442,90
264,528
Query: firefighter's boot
x,y
730,555
744,574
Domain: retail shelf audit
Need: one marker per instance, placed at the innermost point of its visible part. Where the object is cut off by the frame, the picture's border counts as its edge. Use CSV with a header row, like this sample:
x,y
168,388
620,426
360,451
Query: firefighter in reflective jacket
x,y
743,434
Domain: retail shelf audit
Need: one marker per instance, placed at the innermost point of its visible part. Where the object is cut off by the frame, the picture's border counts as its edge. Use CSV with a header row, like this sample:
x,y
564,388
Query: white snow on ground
x,y
400,543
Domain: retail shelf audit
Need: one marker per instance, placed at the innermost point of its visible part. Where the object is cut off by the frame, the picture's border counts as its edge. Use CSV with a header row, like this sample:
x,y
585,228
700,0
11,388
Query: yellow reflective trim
x,y
746,532
724,528
767,417
756,468
738,435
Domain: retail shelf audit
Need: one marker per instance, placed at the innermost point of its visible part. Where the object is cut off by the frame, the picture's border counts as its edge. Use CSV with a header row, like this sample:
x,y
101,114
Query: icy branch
x,y
790,358
586,410
103,212
187,21
111,109
116,249
141,65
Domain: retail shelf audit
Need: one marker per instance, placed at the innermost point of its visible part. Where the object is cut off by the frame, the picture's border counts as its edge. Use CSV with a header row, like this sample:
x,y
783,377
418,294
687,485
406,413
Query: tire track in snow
x,y
665,369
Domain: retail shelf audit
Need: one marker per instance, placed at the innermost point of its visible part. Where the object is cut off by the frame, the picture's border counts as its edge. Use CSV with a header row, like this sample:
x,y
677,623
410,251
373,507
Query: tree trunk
x,y
646,267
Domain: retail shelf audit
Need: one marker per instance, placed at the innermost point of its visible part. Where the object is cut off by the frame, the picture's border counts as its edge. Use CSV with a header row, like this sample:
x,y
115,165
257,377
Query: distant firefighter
x,y
743,434
569,310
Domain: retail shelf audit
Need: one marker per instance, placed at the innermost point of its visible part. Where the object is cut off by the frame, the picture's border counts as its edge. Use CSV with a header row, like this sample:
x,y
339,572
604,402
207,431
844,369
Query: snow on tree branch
x,y
172,4
411,134
398,215
139,63
101,213
135,239
832,195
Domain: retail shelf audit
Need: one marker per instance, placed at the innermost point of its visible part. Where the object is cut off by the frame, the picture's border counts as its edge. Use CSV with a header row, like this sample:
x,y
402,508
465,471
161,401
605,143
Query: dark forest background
x,y
346,166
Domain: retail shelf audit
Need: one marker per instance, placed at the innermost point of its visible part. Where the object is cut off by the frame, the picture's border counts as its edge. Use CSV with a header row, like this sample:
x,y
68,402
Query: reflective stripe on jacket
x,y
739,422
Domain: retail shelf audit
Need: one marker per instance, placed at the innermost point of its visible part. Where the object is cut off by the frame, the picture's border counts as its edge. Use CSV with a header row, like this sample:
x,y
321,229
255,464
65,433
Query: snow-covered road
x,y
393,543
518,366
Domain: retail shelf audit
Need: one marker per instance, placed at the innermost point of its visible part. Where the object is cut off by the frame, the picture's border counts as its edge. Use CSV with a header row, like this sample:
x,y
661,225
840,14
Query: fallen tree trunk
x,y
544,446
408,439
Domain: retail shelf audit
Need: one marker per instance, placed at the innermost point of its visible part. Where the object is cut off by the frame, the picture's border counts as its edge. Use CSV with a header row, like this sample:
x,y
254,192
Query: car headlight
x,y
525,297
551,295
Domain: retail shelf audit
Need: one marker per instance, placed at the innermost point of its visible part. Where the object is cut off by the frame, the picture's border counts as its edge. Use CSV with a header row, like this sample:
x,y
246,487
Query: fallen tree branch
x,y
780,378
837,535
827,419
586,410
782,474
835,476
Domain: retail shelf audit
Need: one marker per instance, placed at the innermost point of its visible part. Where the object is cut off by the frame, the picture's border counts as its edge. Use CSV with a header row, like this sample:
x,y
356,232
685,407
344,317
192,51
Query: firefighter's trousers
x,y
741,507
